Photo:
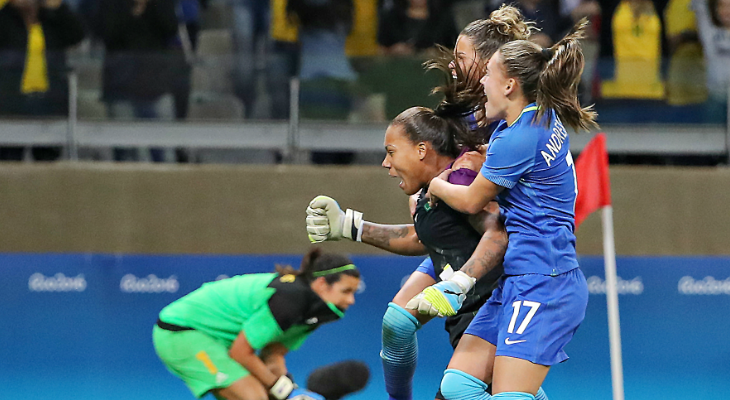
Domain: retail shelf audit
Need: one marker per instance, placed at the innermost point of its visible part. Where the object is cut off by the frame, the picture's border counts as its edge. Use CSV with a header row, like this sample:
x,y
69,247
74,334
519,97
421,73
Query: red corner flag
x,y
594,186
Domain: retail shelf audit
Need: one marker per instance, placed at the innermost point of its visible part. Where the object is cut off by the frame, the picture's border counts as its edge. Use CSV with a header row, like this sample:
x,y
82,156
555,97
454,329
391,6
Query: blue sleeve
x,y
509,157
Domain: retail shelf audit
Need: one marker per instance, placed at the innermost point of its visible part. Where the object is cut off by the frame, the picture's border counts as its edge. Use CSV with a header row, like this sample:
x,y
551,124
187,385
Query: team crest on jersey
x,y
288,278
427,206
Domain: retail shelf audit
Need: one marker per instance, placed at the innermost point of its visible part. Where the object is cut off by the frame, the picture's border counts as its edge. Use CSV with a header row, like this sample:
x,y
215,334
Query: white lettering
x,y
709,285
150,284
596,285
57,283
555,143
548,158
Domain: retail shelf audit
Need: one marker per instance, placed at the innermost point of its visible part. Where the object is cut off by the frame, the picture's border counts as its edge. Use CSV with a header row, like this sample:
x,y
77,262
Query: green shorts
x,y
201,361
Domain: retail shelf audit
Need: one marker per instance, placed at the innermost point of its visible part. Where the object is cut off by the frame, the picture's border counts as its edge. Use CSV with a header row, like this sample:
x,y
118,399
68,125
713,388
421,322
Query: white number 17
x,y
516,312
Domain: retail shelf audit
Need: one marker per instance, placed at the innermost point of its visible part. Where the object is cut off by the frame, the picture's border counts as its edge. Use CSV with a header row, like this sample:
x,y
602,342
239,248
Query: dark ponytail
x,y
316,263
550,77
422,124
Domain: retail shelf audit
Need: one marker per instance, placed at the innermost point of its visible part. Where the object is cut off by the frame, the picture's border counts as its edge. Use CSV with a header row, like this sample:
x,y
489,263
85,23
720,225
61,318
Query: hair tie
x,y
547,54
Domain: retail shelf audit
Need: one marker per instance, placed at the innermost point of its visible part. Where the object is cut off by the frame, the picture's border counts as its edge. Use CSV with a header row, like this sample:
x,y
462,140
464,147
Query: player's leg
x,y
248,388
470,368
538,309
399,345
204,365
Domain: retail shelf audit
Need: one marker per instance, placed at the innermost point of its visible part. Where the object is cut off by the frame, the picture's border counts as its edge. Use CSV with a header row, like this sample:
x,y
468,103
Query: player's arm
x,y
467,199
398,239
279,386
273,357
326,221
490,251
445,298
244,354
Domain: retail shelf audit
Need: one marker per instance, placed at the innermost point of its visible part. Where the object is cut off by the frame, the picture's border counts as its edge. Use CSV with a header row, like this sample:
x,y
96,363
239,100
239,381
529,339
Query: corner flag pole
x,y
614,327
594,192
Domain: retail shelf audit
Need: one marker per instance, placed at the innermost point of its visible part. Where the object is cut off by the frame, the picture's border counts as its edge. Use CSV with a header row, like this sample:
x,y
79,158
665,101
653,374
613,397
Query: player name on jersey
x,y
555,143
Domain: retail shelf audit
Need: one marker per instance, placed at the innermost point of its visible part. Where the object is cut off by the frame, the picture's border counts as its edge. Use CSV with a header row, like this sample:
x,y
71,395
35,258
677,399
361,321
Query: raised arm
x,y
468,199
398,239
326,221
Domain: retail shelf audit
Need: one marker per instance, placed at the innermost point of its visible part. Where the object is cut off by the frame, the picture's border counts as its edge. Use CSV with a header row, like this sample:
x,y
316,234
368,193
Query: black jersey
x,y
450,240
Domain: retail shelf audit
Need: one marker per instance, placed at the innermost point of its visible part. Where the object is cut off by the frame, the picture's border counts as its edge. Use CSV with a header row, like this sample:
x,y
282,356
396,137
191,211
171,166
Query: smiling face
x,y
466,56
340,293
496,88
404,159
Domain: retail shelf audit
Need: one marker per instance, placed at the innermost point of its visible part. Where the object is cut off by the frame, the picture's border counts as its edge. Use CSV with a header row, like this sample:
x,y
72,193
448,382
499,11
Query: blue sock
x,y
541,394
458,385
400,351
514,396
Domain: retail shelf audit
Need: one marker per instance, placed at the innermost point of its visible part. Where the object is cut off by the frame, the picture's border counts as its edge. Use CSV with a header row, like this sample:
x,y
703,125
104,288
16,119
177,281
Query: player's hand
x,y
285,389
445,298
304,394
327,221
472,160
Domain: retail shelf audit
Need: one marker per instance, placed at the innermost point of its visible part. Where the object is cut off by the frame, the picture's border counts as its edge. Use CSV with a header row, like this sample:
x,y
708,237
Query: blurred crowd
x,y
357,60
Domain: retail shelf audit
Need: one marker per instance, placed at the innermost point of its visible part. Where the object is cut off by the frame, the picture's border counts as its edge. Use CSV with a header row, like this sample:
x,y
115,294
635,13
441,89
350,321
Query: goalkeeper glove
x,y
445,298
327,221
285,389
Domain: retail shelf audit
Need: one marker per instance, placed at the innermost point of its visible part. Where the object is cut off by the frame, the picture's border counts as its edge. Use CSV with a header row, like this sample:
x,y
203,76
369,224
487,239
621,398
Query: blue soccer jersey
x,y
532,161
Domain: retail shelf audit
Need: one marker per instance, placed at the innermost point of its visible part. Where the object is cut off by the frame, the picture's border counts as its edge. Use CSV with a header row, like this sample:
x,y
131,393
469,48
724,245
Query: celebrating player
x,y
541,300
420,143
209,337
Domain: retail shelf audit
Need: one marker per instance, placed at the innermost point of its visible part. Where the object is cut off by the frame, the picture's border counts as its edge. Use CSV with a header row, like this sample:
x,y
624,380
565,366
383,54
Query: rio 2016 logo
x,y
56,283
149,284
709,286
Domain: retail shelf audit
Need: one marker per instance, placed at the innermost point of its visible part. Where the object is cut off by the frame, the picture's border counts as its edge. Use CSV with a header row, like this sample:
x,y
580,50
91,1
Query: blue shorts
x,y
427,268
532,316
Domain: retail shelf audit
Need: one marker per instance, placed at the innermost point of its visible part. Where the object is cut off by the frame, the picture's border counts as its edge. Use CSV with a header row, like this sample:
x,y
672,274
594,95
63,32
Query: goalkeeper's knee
x,y
399,328
400,351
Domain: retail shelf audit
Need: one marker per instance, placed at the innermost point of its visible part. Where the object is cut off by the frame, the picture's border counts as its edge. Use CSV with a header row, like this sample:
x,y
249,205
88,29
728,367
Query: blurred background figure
x,y
409,27
713,23
326,76
33,74
250,27
142,62
686,66
637,48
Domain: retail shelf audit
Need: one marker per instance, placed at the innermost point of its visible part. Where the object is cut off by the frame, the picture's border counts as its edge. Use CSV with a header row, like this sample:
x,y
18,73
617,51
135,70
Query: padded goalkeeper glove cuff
x,y
352,225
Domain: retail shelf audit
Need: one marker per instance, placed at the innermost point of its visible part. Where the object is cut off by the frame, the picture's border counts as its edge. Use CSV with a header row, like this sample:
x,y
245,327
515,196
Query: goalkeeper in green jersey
x,y
230,337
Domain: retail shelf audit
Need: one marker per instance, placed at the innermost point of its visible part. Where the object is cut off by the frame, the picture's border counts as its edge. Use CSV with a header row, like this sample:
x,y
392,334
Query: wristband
x,y
464,281
353,221
282,388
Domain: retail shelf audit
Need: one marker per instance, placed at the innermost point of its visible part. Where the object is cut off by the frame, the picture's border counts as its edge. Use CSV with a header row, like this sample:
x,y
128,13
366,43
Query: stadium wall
x,y
210,209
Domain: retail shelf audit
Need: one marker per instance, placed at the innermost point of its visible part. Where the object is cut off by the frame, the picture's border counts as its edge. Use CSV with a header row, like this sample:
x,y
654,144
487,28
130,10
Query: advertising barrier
x,y
78,326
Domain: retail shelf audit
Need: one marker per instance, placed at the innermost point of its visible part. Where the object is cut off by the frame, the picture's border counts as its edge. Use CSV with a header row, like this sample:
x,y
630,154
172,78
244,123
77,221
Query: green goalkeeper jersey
x,y
267,307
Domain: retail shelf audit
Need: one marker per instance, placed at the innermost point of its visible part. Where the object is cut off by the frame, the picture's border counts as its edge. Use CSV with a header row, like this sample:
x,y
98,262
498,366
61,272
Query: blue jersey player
x,y
541,299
